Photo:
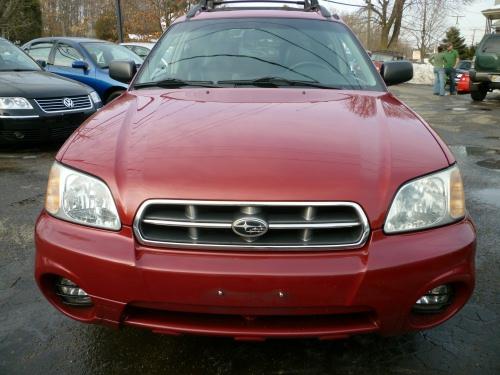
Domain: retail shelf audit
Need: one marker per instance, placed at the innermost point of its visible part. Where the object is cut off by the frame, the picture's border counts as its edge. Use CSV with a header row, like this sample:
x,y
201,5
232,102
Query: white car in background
x,y
141,49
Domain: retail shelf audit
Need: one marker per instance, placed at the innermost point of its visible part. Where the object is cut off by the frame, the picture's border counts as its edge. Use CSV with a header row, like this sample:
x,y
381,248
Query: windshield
x,y
492,45
103,53
235,50
12,58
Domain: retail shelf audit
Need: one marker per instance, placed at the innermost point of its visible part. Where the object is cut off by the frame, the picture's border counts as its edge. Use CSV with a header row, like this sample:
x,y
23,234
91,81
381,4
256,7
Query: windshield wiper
x,y
19,70
278,82
175,83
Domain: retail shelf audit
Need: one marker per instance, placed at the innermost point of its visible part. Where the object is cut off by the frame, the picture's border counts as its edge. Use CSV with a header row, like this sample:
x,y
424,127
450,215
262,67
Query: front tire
x,y
114,95
479,94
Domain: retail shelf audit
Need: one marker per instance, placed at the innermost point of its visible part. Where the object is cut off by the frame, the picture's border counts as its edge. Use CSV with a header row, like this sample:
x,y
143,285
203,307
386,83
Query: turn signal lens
x,y
457,197
52,199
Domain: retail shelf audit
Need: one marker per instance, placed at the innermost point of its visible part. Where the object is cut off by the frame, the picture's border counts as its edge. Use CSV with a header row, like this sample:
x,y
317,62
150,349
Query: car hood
x,y
39,84
256,145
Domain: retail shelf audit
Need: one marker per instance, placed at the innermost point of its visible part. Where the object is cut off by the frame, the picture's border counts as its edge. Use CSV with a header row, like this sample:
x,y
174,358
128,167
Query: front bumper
x,y
41,128
256,295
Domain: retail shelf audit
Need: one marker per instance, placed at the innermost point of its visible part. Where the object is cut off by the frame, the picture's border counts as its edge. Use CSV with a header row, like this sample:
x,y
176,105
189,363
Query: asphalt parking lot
x,y
35,339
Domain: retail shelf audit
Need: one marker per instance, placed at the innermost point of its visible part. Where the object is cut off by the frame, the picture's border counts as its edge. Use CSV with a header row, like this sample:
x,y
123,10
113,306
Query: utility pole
x,y
457,17
369,25
474,35
119,20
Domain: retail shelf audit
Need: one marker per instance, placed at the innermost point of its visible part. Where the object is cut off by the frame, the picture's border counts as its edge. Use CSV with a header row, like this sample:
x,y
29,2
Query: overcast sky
x,y
473,19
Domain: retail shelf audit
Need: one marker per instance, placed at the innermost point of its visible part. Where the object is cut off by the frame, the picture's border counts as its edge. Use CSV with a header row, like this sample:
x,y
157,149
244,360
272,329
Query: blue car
x,y
82,59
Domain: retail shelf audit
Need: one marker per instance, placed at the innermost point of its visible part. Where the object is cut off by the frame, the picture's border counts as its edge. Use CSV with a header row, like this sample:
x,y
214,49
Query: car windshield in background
x,y
103,53
266,51
13,59
384,58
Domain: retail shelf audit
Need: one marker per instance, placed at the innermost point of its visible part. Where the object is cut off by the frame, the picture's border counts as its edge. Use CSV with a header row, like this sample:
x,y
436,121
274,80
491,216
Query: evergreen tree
x,y
453,36
471,51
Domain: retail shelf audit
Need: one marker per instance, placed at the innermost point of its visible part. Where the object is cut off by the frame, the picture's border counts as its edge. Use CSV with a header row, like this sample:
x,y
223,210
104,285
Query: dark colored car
x,y
257,180
485,73
84,60
37,106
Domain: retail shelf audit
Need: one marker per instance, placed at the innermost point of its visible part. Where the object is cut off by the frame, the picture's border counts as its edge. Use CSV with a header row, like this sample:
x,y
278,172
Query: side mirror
x,y
79,64
122,70
394,72
41,63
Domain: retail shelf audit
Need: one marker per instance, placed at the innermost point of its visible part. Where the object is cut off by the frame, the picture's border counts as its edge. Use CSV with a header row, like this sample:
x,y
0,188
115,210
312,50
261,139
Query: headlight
x,y
80,198
95,97
14,103
427,202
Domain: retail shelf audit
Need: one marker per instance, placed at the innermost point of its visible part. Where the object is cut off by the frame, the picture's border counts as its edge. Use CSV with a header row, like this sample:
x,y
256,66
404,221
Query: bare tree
x,y
388,15
426,23
168,10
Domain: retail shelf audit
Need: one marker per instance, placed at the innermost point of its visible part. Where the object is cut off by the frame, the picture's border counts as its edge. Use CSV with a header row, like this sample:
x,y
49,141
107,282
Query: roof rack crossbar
x,y
261,1
309,5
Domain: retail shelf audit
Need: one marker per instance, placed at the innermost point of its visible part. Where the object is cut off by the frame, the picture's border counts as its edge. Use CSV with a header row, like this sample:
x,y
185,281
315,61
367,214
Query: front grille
x,y
56,105
214,225
62,132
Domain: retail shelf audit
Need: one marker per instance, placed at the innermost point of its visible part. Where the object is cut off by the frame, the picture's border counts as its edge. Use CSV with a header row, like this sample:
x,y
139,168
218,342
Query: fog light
x,y
434,300
72,294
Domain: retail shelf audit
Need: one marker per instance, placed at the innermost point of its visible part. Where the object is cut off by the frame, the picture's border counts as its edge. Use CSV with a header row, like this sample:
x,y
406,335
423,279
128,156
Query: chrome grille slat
x,y
308,216
56,105
191,214
291,225
201,224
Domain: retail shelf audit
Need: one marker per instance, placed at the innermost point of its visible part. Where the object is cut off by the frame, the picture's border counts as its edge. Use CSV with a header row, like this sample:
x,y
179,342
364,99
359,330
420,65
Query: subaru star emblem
x,y
250,227
68,103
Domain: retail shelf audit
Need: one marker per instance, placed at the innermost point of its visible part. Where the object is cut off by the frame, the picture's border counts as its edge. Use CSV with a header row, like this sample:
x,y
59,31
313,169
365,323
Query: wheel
x,y
114,95
479,94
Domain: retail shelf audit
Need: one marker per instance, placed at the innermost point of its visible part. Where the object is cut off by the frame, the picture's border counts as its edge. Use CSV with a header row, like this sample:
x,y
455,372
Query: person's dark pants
x,y
451,73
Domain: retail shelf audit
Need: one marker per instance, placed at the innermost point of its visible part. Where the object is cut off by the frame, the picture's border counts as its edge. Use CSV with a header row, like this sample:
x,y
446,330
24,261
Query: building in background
x,y
493,18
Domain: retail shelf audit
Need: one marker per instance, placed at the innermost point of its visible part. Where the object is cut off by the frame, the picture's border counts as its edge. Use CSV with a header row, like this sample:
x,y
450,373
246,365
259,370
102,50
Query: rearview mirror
x,y
41,63
122,70
79,64
394,72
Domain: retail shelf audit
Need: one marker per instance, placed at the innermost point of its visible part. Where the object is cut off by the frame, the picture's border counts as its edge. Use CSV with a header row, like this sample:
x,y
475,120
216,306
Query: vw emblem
x,y
68,103
250,227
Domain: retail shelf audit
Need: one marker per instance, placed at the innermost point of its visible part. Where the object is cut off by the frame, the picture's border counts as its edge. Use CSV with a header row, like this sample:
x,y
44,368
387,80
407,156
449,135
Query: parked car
x,y
252,184
462,78
37,106
485,73
84,60
379,57
140,49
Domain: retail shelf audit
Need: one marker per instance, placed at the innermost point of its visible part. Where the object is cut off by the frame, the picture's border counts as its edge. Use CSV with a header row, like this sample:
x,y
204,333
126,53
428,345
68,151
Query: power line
x,y
346,4
457,17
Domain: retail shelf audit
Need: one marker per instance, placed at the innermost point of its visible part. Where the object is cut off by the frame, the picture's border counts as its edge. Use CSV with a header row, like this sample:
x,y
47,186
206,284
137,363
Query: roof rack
x,y
309,6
